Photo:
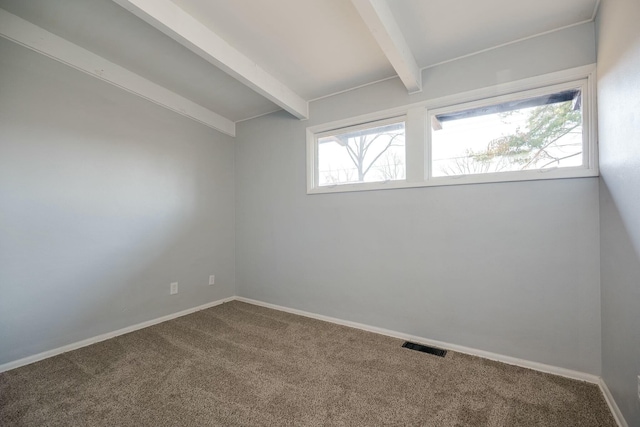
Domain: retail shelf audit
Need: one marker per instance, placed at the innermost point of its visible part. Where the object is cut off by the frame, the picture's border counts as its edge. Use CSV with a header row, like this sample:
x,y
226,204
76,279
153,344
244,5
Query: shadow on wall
x,y
619,133
621,53
620,273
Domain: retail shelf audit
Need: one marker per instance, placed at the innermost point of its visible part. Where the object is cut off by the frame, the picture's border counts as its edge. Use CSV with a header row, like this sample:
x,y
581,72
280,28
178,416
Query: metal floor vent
x,y
424,348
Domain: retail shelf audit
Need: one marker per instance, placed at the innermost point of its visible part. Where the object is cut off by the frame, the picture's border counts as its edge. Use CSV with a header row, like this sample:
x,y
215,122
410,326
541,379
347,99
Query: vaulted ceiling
x,y
224,61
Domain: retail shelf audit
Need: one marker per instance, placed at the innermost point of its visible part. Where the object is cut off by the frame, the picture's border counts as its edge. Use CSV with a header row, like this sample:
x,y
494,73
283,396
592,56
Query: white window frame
x,y
418,134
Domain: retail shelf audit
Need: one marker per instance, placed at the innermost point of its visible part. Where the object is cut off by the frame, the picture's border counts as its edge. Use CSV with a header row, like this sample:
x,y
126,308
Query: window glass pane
x,y
529,134
369,155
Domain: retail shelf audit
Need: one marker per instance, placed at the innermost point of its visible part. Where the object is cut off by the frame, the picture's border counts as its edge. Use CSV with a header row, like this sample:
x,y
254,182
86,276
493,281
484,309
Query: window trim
x,y
532,174
418,135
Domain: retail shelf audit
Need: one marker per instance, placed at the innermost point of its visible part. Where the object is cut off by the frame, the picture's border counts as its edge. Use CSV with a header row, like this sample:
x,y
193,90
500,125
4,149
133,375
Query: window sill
x,y
489,178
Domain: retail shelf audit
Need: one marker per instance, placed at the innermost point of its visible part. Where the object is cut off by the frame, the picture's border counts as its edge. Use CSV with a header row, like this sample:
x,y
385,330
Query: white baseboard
x,y
73,346
568,373
613,406
454,347
563,372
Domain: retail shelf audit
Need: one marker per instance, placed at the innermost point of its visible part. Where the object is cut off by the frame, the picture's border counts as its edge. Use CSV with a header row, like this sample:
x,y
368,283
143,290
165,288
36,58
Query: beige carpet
x,y
239,364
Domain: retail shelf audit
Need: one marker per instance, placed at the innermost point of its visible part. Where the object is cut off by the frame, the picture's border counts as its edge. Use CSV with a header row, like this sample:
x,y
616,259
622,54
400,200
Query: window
x,y
509,132
518,133
374,152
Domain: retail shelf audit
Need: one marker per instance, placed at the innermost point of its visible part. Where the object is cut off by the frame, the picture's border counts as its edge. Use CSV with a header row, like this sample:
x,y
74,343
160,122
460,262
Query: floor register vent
x,y
424,349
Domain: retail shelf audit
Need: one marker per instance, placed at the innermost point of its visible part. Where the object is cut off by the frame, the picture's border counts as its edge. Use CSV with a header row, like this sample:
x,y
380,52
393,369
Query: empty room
x,y
320,212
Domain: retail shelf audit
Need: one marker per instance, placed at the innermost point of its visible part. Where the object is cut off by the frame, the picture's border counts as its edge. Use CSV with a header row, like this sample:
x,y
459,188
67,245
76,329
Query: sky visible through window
x,y
370,155
540,137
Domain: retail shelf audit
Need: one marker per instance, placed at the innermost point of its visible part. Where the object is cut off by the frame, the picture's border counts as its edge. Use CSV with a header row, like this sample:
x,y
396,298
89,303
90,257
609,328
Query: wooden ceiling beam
x,y
173,21
378,17
37,39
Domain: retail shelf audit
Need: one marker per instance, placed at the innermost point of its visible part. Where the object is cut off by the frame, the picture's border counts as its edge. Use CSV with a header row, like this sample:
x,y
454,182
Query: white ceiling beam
x,y
173,21
35,38
382,24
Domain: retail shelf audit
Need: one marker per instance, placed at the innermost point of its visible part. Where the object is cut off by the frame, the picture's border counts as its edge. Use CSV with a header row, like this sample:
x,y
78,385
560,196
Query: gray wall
x,y
511,268
619,128
104,200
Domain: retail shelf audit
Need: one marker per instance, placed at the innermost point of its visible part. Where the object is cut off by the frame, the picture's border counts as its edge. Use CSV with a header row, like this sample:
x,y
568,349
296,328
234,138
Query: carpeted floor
x,y
239,364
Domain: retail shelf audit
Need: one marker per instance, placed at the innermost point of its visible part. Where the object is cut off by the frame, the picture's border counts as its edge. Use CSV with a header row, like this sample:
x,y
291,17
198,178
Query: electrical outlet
x,y
212,280
173,288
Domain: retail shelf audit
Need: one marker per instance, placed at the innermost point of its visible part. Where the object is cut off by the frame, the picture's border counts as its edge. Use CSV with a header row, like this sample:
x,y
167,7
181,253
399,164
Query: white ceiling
x,y
313,47
317,47
441,30
108,30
